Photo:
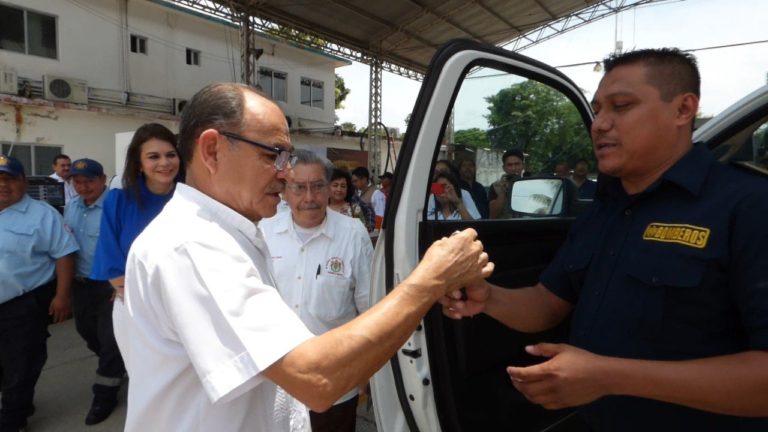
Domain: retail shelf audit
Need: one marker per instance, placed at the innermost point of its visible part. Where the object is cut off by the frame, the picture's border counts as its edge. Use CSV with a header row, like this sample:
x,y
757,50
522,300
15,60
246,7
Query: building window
x,y
28,32
138,44
273,83
312,93
36,159
193,57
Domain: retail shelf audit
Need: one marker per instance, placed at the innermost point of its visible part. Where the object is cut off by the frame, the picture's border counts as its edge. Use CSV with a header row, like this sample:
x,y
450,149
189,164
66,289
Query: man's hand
x,y
477,294
60,308
456,261
451,195
570,377
502,185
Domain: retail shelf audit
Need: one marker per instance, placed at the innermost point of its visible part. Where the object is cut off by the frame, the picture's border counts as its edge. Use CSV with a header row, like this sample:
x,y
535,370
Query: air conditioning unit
x,y
9,80
178,106
65,89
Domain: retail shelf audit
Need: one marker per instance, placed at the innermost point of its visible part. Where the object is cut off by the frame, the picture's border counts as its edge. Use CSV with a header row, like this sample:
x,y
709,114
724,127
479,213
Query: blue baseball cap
x,y
11,165
86,167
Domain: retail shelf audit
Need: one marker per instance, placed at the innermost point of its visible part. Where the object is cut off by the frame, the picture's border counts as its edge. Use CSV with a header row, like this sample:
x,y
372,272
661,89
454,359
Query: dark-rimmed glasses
x,y
283,158
302,188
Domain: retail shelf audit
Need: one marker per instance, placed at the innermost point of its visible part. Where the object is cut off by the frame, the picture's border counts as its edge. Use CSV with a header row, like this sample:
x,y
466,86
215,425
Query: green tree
x,y
540,121
472,137
341,92
348,127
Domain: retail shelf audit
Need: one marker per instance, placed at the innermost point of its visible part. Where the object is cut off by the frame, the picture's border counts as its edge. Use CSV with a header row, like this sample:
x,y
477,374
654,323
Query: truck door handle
x,y
412,353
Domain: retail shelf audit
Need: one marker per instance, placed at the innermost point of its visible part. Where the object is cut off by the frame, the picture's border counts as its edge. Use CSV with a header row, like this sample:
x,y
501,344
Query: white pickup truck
x,y
450,376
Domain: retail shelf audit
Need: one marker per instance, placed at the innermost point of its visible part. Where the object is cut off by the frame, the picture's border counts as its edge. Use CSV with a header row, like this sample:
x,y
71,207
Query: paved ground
x,y
63,394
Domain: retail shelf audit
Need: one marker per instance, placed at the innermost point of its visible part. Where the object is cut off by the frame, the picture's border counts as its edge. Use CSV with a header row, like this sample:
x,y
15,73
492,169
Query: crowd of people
x,y
320,252
228,314
462,197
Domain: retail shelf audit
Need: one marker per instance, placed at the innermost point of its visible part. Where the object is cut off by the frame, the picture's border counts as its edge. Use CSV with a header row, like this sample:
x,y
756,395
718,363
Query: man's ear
x,y
207,149
687,107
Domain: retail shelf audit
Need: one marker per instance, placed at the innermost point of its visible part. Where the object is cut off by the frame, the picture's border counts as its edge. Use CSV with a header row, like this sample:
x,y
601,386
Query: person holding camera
x,y
513,163
446,203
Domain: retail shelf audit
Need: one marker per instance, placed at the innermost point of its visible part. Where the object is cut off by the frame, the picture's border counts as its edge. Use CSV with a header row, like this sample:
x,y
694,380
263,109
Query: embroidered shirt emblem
x,y
688,235
335,266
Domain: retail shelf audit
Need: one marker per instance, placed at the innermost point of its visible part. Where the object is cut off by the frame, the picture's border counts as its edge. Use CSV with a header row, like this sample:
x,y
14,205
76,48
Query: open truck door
x,y
450,375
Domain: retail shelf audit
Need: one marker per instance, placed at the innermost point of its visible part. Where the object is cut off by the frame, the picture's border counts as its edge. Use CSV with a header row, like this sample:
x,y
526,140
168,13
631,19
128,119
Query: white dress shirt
x,y
326,279
201,322
466,198
69,188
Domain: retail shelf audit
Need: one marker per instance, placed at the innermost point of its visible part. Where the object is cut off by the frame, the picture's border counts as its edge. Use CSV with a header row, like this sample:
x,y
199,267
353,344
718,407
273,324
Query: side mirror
x,y
538,196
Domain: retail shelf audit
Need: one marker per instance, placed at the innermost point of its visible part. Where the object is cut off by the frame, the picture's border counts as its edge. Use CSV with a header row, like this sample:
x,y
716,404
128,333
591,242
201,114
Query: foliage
x,y
341,92
348,127
540,121
473,137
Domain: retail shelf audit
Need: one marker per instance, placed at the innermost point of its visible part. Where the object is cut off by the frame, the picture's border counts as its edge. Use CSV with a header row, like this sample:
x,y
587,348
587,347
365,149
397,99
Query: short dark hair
x,y
451,168
342,174
513,152
215,106
132,167
60,156
672,71
361,172
580,160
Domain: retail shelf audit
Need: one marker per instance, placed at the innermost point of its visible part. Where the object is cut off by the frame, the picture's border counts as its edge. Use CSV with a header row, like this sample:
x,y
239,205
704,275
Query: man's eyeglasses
x,y
283,158
301,188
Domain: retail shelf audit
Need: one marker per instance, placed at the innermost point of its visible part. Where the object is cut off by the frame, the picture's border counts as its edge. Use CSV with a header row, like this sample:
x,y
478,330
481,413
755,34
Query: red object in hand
x,y
438,188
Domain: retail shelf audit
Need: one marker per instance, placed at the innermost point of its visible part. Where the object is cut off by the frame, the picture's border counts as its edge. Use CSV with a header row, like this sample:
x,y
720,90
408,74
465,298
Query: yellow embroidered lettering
x,y
688,235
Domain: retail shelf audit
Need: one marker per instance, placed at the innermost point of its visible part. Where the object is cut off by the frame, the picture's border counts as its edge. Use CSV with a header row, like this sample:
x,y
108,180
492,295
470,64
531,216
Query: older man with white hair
x,y
322,261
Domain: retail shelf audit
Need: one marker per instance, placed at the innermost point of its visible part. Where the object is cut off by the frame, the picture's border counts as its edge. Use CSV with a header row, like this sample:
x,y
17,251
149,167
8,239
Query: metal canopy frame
x,y
403,35
400,36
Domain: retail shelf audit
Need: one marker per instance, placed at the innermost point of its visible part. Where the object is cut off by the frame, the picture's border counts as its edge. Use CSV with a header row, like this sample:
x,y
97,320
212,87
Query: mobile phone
x,y
438,188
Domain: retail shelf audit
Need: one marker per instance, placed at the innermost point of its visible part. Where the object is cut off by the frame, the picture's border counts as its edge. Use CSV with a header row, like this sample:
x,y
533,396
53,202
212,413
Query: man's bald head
x,y
219,106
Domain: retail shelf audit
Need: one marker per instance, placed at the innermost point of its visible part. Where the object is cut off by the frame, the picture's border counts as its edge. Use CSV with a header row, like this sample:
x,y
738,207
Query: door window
x,y
505,127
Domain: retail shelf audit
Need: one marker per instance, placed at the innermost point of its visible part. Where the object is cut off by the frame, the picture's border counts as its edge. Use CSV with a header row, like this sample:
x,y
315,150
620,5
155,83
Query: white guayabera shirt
x,y
201,322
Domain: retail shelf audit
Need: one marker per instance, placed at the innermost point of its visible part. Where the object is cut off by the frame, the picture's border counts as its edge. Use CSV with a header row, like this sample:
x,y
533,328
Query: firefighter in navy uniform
x,y
665,273
36,270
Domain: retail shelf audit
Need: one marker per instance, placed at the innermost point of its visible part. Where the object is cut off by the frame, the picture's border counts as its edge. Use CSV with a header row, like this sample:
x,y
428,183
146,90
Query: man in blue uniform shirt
x,y
92,299
664,274
36,269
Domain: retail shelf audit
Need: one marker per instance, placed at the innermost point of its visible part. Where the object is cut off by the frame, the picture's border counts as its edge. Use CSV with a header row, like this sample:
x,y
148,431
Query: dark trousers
x,y
339,418
92,308
23,352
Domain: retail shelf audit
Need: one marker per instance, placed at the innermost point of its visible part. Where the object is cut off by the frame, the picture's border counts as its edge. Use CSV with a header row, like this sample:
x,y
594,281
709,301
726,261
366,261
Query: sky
x,y
727,73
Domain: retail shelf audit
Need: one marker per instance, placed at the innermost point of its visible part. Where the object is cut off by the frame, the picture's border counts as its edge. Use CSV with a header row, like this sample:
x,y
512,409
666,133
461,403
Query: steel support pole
x,y
374,120
247,69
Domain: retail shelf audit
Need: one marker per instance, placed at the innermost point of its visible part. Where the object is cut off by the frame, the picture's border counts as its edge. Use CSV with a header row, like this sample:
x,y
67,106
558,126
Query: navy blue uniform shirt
x,y
679,271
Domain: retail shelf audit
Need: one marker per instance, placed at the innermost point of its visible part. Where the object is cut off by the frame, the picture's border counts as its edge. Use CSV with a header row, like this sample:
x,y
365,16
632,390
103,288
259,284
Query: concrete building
x,y
78,77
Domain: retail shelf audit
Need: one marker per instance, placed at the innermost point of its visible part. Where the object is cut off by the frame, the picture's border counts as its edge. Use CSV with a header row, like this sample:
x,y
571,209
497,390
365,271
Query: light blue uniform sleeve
x,y
61,242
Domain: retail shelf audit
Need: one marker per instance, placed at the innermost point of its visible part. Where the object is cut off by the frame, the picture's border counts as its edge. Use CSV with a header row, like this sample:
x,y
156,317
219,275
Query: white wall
x,y
88,46
81,133
93,45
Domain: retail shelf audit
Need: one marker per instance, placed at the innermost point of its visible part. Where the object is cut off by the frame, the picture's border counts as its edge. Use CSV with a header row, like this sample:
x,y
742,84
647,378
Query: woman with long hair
x,y
344,200
152,167
448,203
